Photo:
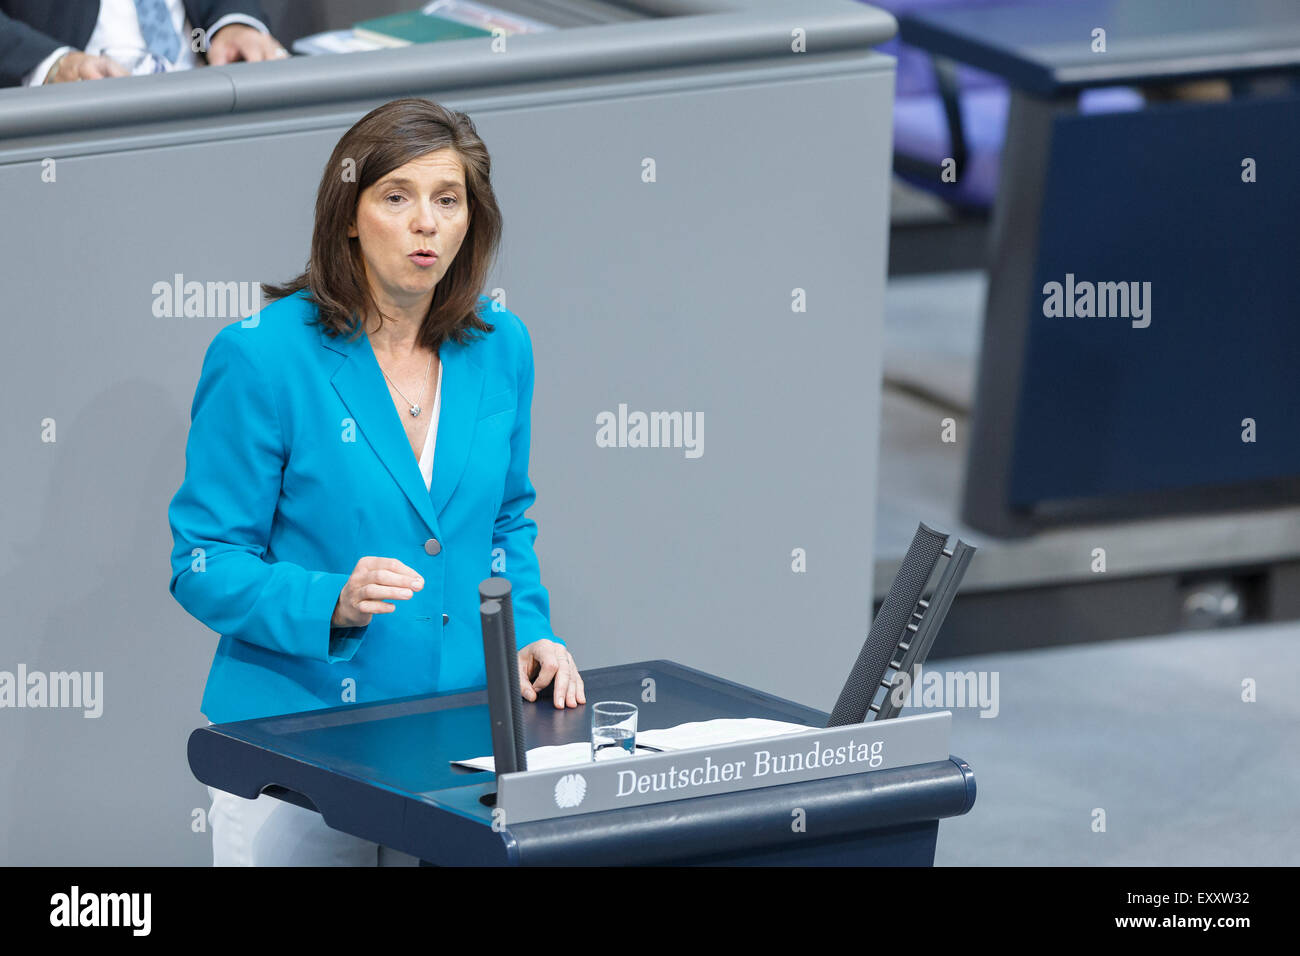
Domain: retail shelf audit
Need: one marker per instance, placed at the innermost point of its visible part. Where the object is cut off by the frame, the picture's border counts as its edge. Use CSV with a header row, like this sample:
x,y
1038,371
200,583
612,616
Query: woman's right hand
x,y
373,581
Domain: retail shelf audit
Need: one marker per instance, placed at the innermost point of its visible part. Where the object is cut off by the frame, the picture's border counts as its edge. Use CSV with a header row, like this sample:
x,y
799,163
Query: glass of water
x,y
613,730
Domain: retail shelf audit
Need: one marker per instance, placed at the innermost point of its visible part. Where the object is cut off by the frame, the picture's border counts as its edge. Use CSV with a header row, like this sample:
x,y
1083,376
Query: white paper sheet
x,y
699,733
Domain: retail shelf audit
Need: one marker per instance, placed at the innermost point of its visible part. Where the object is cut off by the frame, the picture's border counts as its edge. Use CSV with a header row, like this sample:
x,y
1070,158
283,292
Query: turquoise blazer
x,y
297,465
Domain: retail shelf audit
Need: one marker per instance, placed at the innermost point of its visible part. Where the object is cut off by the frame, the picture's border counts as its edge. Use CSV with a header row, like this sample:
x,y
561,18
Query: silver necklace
x,y
415,409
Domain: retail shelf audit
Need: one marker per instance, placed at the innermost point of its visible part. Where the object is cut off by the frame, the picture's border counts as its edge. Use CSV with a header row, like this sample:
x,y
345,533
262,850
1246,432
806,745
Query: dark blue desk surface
x,y
407,744
1046,48
381,771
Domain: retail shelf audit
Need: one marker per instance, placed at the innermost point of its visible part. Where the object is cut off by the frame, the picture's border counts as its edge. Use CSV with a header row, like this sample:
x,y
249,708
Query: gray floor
x,y
1155,733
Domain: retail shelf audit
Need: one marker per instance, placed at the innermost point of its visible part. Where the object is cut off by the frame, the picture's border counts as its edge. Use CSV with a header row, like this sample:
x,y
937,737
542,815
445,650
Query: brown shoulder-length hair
x,y
384,139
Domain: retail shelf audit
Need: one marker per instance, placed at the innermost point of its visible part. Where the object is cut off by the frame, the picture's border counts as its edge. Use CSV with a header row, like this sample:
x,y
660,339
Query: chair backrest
x,y
915,76
1175,329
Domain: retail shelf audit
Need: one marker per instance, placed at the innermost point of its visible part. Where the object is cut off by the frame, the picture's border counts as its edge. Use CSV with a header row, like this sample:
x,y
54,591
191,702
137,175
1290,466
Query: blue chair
x,y
945,110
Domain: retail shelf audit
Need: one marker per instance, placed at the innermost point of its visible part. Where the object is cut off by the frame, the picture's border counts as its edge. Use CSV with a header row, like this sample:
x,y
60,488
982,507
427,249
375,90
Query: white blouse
x,y
431,437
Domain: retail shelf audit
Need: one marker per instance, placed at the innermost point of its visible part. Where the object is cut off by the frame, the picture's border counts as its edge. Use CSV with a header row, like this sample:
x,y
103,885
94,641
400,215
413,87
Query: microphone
x,y
895,640
873,660
501,664
914,646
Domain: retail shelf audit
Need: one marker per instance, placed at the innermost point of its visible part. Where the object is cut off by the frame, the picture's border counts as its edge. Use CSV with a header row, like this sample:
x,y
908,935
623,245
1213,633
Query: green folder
x,y
400,29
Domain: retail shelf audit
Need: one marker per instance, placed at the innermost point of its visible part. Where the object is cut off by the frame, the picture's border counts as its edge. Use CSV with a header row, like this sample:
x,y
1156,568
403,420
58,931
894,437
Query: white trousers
x,y
270,832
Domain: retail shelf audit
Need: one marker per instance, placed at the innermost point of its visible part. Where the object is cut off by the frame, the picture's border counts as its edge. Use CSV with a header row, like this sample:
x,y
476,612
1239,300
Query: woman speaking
x,y
357,463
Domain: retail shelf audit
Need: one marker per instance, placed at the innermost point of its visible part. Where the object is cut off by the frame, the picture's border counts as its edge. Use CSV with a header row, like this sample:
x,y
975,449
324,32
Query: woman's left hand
x,y
543,661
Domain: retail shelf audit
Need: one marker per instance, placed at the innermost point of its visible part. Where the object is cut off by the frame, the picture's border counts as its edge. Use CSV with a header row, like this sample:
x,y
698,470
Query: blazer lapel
x,y
360,384
462,386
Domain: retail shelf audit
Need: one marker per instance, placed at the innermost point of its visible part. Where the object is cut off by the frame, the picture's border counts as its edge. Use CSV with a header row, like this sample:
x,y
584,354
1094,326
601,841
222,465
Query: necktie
x,y
156,26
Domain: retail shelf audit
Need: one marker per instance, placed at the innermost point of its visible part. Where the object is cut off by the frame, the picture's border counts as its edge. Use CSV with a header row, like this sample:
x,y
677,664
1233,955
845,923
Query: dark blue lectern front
x,y
381,771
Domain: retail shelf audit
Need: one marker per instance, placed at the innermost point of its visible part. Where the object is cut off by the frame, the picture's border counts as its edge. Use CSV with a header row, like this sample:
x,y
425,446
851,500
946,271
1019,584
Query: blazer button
x,y
445,619
432,546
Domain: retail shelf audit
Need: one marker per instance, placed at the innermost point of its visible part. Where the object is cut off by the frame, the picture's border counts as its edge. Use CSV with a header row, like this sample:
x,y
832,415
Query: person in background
x,y
43,42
